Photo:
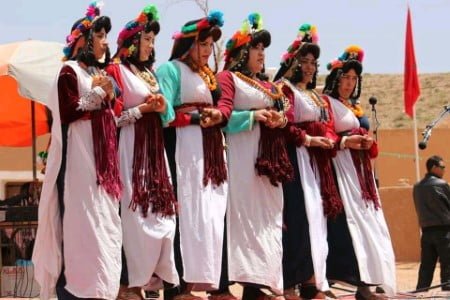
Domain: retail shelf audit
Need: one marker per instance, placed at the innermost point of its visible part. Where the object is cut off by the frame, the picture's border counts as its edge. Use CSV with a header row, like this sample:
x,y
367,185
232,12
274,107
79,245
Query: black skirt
x,y
297,259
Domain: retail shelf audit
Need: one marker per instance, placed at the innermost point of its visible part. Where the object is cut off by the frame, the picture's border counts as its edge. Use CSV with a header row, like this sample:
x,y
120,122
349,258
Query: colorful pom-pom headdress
x,y
81,27
352,53
127,42
250,33
306,42
352,58
307,34
192,29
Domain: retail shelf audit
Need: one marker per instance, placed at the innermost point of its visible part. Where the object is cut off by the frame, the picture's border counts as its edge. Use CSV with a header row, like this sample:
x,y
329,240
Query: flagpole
x,y
416,142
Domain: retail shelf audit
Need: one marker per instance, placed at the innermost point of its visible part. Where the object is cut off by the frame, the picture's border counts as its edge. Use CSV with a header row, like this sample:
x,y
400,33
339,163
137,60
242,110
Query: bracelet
x,y
307,142
342,143
285,121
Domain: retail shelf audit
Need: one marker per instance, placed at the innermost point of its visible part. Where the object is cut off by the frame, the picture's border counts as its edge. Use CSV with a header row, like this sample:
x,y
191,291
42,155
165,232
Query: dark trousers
x,y
435,244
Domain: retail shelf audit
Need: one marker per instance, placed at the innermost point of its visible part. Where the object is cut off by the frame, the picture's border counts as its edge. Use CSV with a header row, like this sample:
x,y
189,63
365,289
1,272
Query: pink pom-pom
x,y
286,56
177,35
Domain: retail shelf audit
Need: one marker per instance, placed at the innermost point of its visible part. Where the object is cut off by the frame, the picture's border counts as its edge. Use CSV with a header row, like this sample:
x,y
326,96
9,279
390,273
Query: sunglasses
x,y
442,167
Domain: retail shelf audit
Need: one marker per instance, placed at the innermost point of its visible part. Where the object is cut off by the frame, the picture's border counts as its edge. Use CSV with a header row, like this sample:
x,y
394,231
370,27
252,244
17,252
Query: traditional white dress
x,y
305,110
367,226
255,210
201,209
147,241
91,228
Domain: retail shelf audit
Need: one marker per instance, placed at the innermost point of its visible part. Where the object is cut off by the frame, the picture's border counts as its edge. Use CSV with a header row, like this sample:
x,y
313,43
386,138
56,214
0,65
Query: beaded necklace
x,y
208,77
147,77
205,73
253,83
355,108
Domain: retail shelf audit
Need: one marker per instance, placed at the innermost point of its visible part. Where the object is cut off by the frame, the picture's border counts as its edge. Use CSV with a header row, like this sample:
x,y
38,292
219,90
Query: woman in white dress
x,y
195,150
258,163
148,201
79,239
312,196
360,248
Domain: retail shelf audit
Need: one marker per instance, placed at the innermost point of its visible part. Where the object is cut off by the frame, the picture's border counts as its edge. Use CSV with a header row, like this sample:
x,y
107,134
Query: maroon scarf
x,y
214,166
322,160
273,160
363,167
151,183
104,134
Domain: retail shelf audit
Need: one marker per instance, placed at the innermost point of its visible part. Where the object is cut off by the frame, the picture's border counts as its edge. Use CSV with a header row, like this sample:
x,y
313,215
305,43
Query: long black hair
x,y
240,55
181,46
332,80
135,40
86,54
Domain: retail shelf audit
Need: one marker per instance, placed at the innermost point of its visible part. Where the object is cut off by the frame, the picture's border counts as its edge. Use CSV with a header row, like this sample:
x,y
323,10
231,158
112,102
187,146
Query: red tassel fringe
x,y
363,167
214,167
104,133
322,163
273,160
151,183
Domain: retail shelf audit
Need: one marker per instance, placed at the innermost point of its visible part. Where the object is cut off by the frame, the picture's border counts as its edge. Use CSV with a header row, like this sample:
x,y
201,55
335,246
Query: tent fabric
x,y
27,71
15,116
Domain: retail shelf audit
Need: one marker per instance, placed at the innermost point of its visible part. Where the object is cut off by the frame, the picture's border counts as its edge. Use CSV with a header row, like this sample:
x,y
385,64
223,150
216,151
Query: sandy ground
x,y
406,282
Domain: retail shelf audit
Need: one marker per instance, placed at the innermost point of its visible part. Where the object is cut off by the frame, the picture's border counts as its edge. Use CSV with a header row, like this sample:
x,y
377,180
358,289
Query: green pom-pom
x,y
151,10
305,27
255,21
189,28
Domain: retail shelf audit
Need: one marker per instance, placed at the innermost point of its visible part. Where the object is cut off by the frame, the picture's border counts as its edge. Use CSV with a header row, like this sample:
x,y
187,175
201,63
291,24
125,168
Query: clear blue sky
x,y
376,25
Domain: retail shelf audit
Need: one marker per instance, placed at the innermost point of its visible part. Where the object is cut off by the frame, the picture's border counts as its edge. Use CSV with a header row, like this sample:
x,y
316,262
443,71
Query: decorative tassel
x,y
361,161
151,183
273,160
214,168
105,151
322,165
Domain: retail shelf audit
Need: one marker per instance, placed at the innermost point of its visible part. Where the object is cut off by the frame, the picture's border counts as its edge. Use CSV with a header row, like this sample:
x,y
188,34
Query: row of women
x,y
192,181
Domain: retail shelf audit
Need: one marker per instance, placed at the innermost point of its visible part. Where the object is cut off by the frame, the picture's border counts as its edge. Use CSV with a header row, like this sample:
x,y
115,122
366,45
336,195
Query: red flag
x,y
410,79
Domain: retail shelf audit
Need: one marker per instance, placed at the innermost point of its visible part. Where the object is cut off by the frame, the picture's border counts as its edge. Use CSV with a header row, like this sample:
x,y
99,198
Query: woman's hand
x,y
354,142
262,115
322,142
146,107
210,117
277,119
157,103
105,83
367,142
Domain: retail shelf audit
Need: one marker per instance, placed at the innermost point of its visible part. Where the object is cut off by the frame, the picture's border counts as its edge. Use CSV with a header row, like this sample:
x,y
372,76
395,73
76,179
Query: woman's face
x,y
146,45
100,43
309,67
256,57
347,84
201,51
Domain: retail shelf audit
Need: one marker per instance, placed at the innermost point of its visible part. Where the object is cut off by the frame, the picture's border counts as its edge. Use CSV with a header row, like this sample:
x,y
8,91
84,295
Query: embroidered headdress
x,y
305,42
195,29
128,40
351,59
82,27
250,34
353,55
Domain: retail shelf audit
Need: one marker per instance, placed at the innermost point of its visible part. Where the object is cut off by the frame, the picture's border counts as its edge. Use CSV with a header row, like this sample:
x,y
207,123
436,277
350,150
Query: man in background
x,y
432,202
